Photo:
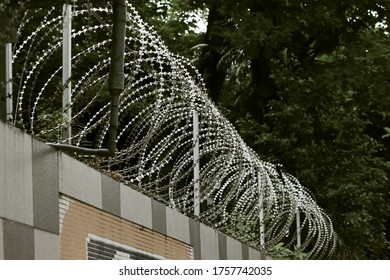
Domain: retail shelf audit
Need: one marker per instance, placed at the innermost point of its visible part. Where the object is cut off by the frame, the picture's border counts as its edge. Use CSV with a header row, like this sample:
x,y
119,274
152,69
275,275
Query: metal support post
x,y
67,70
3,81
6,36
261,212
196,163
8,85
298,220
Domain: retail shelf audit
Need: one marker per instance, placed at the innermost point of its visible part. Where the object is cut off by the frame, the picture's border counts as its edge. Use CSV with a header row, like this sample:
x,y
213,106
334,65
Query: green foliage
x,y
244,227
175,22
46,120
280,252
387,134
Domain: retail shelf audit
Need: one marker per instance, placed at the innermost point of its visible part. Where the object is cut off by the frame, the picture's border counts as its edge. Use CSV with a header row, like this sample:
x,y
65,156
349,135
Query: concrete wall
x,y
32,178
29,224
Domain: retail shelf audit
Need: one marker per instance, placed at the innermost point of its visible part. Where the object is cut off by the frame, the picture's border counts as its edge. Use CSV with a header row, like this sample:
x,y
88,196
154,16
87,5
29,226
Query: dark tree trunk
x,y
263,88
213,75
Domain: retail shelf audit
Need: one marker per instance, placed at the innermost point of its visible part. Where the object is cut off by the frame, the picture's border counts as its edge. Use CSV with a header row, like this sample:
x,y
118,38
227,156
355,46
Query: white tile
x,y
254,254
136,207
16,184
234,249
178,226
80,181
208,243
46,245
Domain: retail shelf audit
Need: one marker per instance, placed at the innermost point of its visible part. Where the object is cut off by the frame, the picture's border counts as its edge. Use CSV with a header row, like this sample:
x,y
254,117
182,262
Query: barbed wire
x,y
155,140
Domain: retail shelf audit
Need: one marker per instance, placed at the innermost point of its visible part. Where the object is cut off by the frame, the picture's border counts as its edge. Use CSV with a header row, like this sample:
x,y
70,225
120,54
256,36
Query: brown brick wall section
x,y
79,219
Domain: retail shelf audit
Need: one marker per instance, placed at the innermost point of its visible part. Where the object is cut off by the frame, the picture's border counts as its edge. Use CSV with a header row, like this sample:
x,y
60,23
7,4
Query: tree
x,y
306,85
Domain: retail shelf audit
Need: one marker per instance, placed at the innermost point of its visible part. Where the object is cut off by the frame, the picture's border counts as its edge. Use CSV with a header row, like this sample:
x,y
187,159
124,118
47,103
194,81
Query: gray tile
x,y
159,217
245,252
111,195
195,238
45,187
222,246
18,241
1,240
